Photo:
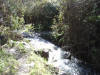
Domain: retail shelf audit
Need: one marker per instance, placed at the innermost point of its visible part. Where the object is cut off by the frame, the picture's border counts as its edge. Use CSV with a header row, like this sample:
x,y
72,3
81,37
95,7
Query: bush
x,y
11,8
58,29
10,19
16,22
6,33
8,65
41,14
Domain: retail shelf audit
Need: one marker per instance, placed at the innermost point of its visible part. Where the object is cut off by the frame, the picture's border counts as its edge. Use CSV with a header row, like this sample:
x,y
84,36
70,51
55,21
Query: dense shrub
x,y
58,29
41,15
11,18
8,64
6,34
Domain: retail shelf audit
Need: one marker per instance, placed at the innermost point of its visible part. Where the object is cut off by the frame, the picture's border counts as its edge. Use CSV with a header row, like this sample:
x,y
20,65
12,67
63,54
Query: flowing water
x,y
58,57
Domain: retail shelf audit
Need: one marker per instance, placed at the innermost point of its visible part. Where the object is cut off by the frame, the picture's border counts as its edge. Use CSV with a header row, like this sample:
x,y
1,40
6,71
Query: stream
x,y
58,57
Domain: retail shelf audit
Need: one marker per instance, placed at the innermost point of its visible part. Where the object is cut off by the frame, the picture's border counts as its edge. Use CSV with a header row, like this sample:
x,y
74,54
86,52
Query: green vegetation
x,y
17,22
80,29
40,67
15,15
8,64
73,23
41,15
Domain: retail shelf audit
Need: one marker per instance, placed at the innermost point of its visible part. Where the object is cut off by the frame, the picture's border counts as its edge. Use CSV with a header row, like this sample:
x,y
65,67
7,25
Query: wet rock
x,y
42,54
3,40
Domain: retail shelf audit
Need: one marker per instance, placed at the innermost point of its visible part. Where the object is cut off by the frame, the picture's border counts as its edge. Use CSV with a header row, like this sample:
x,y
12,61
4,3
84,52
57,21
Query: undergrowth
x,y
8,65
41,67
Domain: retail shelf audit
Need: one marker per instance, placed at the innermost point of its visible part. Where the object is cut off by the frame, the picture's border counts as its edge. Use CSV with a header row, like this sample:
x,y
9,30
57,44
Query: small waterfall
x,y
58,57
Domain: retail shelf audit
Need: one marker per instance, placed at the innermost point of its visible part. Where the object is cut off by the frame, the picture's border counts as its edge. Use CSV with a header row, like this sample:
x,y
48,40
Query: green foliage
x,y
83,31
40,67
11,9
41,15
18,45
4,33
16,22
21,48
15,7
8,64
39,28
11,43
59,28
29,27
4,30
10,20
77,24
